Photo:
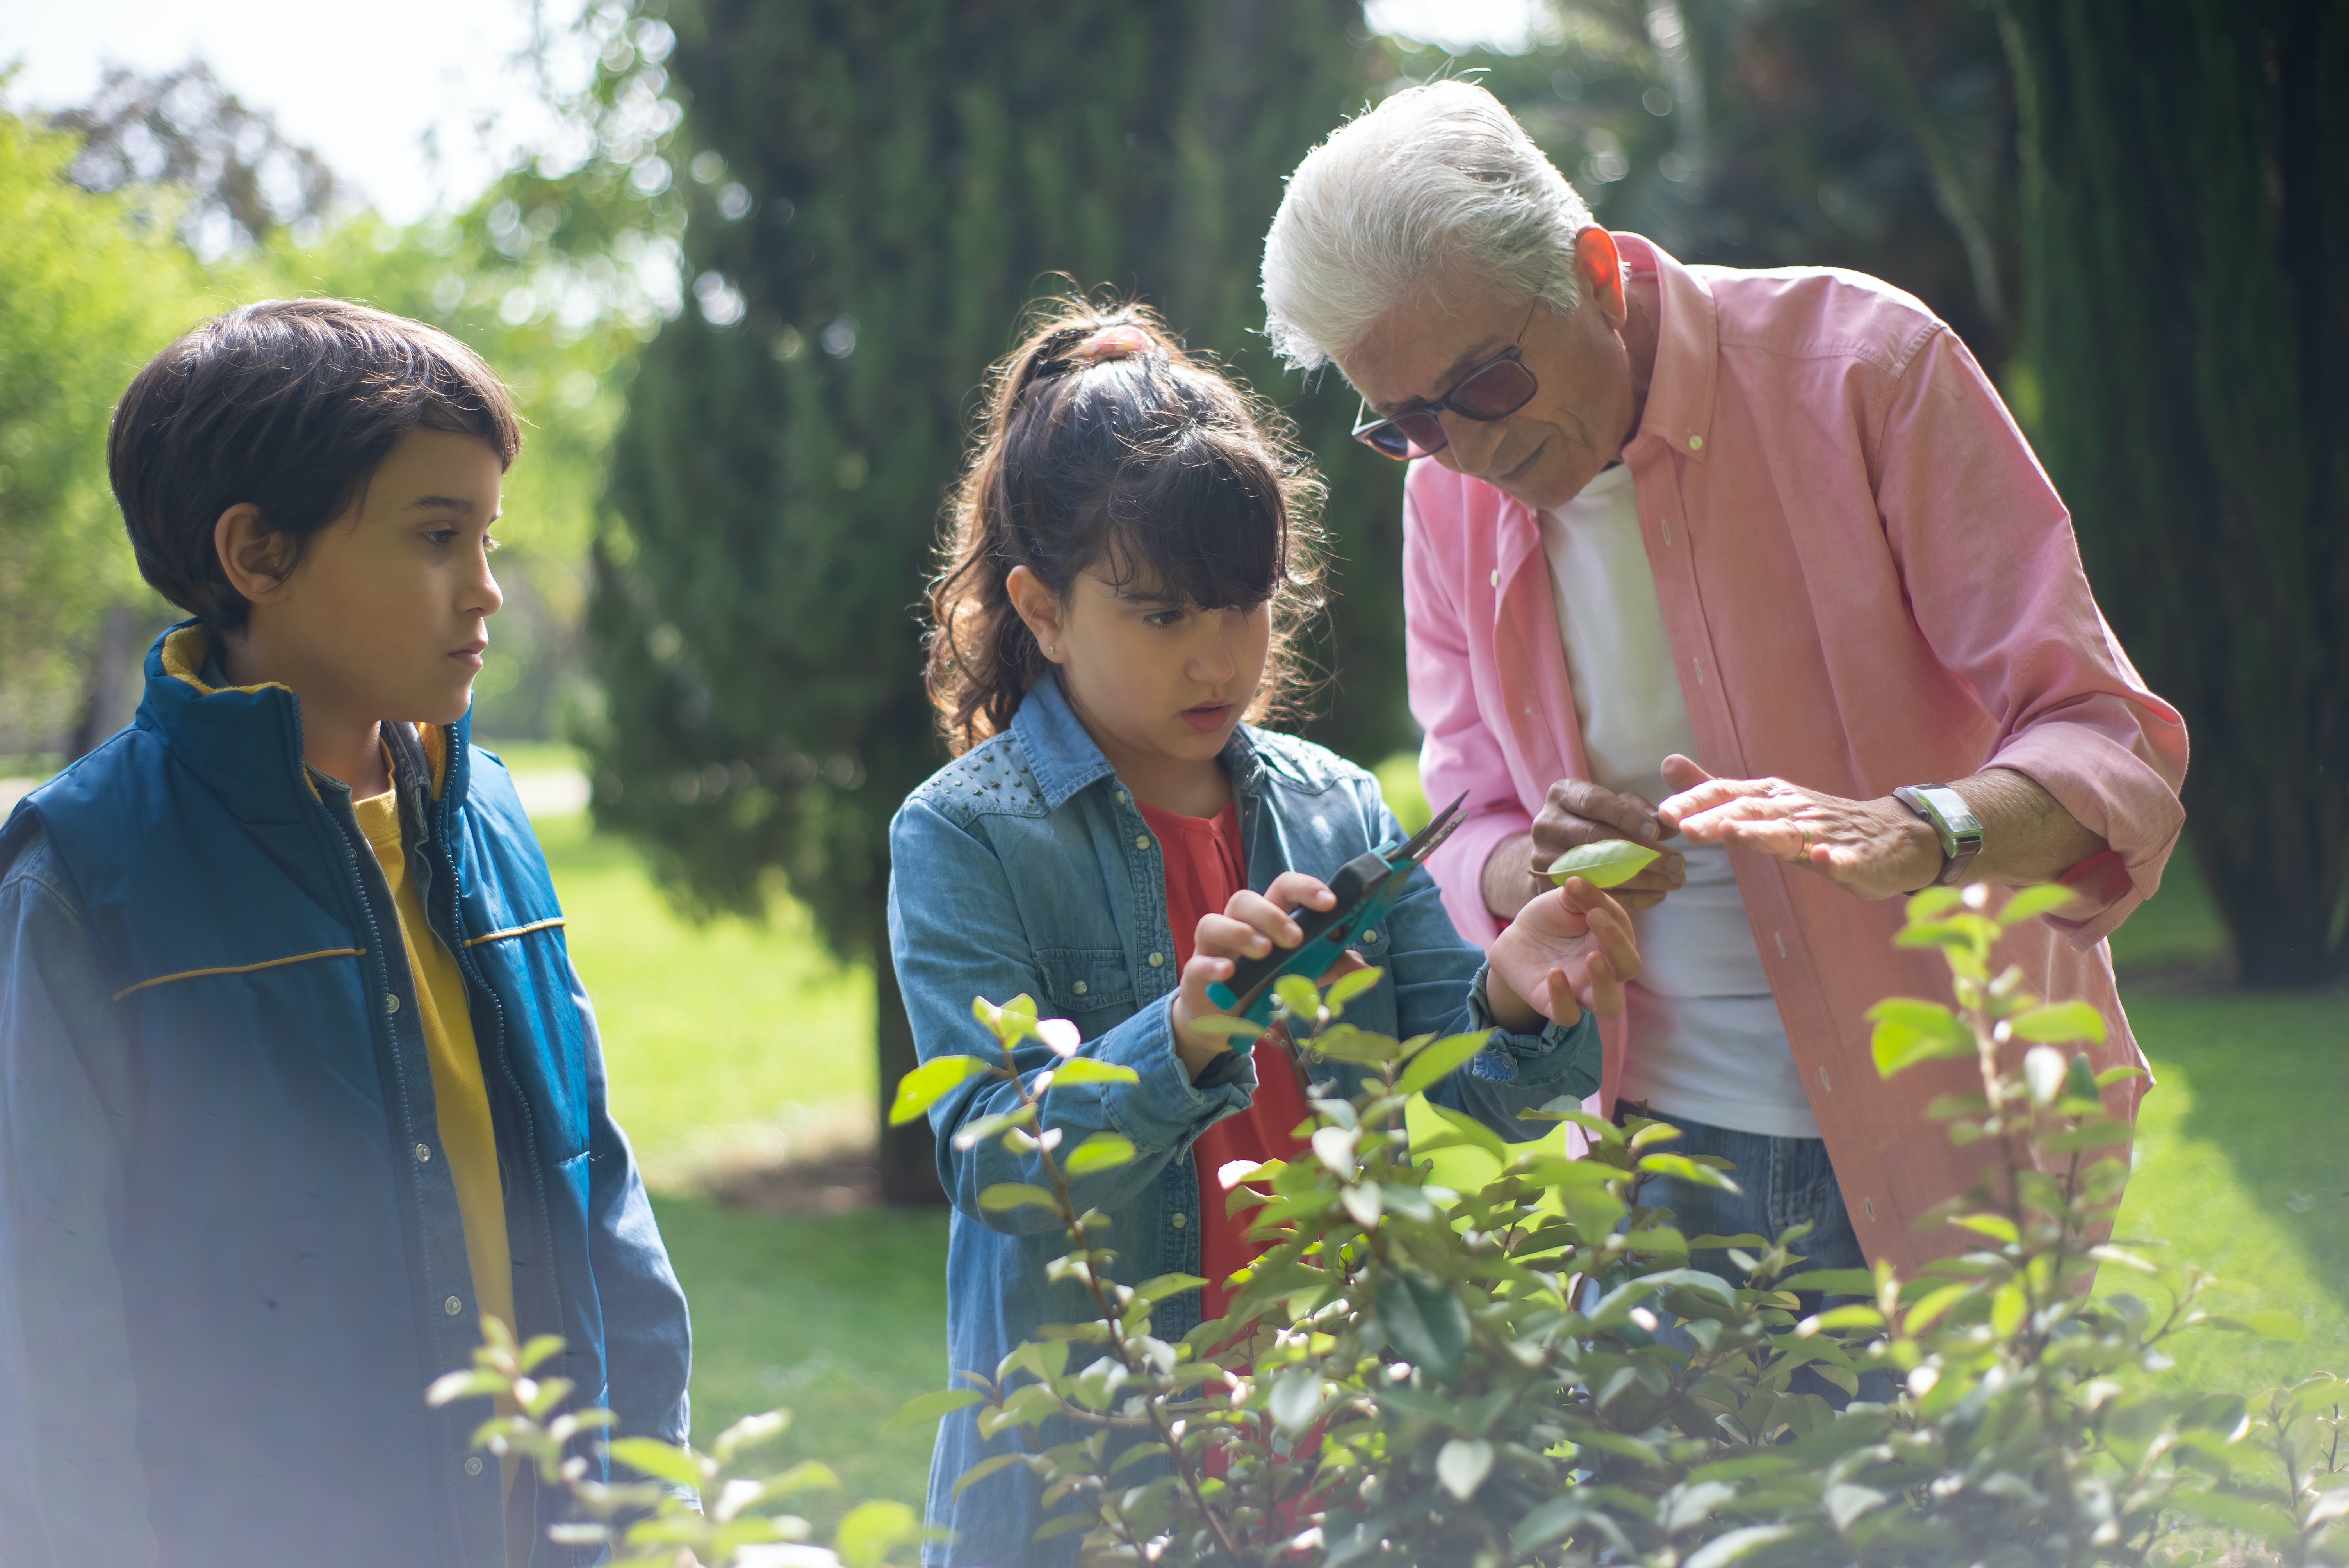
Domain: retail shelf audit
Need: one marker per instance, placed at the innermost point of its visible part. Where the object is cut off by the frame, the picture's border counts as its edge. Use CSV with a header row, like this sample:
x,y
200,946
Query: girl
x,y
1129,548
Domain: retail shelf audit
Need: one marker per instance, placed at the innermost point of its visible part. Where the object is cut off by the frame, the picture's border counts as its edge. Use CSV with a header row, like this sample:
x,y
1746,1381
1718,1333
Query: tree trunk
x,y
107,701
2186,223
908,1157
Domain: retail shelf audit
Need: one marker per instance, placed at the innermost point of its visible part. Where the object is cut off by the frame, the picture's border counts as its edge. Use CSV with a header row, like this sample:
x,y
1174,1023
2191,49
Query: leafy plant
x,y
715,1508
1416,1374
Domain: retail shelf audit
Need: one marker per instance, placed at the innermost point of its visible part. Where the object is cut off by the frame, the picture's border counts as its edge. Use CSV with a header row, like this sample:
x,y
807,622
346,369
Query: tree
x,y
90,286
2186,228
878,190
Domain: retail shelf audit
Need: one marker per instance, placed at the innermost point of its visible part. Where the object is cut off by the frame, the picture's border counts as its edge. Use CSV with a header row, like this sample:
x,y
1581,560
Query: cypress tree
x,y
898,180
2185,229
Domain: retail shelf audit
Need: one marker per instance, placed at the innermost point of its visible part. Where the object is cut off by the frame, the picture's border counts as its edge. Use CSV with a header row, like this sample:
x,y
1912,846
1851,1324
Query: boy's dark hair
x,y
1154,466
290,405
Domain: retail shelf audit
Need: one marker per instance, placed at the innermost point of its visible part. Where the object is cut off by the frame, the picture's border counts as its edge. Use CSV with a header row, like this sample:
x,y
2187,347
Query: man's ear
x,y
1040,607
257,562
1600,267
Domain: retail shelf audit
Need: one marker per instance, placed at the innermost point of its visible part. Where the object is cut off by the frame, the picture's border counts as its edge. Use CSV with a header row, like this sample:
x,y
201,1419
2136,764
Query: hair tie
x,y
1110,343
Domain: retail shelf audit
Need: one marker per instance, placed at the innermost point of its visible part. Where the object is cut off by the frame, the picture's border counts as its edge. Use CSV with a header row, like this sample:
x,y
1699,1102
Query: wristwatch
x,y
1954,823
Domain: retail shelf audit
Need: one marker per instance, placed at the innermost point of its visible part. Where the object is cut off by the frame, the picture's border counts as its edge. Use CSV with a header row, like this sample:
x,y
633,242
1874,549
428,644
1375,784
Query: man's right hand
x,y
1578,812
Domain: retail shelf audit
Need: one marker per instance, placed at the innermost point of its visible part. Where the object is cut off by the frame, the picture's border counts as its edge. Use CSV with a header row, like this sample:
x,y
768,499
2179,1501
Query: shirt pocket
x,y
1087,986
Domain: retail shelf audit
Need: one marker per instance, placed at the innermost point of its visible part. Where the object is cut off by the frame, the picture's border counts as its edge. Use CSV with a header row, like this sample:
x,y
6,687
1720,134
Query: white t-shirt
x,y
1706,1042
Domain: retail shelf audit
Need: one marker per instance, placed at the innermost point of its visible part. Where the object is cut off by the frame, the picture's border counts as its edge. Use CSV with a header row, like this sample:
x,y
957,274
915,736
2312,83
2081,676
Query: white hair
x,y
1437,181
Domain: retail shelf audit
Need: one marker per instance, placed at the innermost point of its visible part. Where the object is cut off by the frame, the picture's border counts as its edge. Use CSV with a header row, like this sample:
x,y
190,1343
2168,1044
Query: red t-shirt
x,y
1204,866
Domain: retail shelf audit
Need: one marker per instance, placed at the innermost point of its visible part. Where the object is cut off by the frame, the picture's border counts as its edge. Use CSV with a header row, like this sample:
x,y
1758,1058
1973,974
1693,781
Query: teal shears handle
x,y
1366,886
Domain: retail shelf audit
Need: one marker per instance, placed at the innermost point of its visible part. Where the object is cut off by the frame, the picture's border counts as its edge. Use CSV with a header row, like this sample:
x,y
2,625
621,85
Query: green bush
x,y
1416,1374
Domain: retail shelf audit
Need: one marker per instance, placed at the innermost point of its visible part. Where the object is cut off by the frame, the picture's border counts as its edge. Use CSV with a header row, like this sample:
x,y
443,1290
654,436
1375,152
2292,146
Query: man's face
x,y
1576,423
385,615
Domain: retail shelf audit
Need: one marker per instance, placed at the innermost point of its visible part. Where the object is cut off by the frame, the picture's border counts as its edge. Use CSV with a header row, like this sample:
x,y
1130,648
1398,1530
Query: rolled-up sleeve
x,y
71,1488
1460,754
1993,574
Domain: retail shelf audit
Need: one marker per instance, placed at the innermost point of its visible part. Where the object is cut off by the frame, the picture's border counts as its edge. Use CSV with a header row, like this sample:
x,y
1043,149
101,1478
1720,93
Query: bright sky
x,y
363,83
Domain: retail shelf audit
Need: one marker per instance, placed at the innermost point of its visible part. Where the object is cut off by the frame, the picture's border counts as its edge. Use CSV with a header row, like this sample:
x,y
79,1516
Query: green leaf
x,y
1346,987
927,1409
2273,1323
2058,1022
1831,1282
749,1432
453,1385
874,1529
1932,902
1426,1324
1908,1031
648,1456
1298,994
1102,1152
1461,1465
1016,1194
1223,1026
1296,1399
1723,1550
1611,862
1159,1289
2045,898
929,1083
2236,1513
1092,1069
1680,1168
1437,1062
540,1347
1459,1128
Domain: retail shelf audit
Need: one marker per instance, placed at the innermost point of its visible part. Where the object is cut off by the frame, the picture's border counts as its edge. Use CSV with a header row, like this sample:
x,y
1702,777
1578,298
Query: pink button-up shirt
x,y
1866,580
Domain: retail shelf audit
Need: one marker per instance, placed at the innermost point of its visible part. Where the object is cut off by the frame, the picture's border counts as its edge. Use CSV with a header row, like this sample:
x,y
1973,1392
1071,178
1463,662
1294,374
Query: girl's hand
x,y
1251,925
1567,949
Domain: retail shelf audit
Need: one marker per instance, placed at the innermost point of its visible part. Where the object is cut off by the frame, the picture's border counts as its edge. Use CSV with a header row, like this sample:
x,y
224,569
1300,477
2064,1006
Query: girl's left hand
x,y
1251,925
1569,949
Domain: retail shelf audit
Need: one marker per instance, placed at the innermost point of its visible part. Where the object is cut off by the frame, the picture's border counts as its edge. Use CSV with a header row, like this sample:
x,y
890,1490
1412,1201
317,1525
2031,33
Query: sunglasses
x,y
1493,390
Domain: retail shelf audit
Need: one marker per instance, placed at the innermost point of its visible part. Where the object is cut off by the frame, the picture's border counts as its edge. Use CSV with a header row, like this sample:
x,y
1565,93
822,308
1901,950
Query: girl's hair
x,y
1118,451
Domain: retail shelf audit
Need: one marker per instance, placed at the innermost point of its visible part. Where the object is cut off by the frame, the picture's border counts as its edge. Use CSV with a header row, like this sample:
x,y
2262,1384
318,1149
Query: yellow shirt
x,y
460,1097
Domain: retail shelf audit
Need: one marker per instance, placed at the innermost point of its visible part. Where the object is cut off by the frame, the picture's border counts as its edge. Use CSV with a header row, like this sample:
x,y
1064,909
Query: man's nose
x,y
1477,441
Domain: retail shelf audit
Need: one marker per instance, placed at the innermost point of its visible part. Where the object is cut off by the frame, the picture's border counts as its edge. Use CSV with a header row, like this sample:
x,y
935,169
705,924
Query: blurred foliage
x,y
90,285
1871,134
876,193
2188,224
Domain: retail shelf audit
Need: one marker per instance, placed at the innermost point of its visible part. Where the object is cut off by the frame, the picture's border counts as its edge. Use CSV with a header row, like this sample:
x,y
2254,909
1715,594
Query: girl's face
x,y
1159,685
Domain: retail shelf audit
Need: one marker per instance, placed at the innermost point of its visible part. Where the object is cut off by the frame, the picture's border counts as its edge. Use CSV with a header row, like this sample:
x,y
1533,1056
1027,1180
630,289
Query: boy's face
x,y
384,617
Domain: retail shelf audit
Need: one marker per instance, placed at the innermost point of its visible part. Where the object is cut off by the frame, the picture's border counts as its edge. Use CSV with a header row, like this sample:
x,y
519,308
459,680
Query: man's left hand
x,y
1874,848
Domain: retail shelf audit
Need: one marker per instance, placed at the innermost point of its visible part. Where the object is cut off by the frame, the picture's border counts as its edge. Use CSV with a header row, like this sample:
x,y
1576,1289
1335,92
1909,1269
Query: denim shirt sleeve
x,y
71,1487
955,933
1439,980
647,1341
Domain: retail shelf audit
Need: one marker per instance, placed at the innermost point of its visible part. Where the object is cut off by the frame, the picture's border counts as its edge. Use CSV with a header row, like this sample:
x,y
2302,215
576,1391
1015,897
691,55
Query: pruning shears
x,y
1367,887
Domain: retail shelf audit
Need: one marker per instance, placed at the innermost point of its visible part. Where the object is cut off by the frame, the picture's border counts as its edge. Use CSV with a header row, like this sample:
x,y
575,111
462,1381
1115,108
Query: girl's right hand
x,y
1252,924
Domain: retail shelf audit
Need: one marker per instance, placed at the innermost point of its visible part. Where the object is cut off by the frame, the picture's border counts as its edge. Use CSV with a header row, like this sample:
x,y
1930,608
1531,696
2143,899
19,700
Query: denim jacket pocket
x,y
1081,984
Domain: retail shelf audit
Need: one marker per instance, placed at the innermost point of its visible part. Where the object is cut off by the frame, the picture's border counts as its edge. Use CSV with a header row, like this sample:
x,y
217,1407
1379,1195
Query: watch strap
x,y
1953,821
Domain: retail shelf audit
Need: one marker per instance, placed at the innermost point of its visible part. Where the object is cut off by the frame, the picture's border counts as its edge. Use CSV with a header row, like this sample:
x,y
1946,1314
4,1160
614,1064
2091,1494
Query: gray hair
x,y
1439,180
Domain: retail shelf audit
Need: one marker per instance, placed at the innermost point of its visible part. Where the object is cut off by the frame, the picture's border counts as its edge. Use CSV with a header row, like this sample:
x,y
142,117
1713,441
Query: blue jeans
x,y
1783,1182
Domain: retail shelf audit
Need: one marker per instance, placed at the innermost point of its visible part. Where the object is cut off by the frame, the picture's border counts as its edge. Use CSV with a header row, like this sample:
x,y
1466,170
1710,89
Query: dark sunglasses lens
x,y
1401,438
1495,392
1424,432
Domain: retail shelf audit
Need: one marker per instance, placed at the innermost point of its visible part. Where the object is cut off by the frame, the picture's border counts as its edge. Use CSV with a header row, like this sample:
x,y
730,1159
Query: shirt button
x,y
472,1464
1158,961
1120,797
452,1307
424,1154
1696,443
1496,577
390,1003
1369,936
1078,987
1141,840
1179,1220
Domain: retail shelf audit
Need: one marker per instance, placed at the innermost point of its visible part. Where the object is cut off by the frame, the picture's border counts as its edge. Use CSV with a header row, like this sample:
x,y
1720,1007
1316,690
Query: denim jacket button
x,y
390,1001
424,1154
472,1464
1141,840
1178,1221
1079,989
1157,960
1369,936
452,1307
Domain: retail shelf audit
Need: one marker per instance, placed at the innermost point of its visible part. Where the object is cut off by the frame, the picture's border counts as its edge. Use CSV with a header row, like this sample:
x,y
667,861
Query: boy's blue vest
x,y
293,1260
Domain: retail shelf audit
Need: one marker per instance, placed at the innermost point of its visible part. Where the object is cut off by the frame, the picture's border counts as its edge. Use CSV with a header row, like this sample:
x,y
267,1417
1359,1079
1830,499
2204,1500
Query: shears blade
x,y
1421,844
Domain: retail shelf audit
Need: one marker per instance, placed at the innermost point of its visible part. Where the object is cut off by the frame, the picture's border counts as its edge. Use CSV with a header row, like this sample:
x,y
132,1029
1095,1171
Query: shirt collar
x,y
1064,758
1679,412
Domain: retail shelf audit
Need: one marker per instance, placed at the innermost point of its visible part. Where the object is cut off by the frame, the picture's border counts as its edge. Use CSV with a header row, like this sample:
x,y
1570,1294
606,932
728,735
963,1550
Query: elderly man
x,y
1753,567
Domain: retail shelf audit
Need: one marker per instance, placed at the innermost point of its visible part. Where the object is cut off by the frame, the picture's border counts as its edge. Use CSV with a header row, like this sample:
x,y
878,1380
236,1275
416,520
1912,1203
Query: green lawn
x,y
723,1039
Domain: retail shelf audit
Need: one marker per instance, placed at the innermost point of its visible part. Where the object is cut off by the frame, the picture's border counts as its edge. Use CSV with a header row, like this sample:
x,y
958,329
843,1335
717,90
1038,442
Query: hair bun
x,y
1109,343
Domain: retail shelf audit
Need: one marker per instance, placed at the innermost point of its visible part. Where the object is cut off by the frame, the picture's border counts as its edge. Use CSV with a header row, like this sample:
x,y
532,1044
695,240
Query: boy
x,y
296,1080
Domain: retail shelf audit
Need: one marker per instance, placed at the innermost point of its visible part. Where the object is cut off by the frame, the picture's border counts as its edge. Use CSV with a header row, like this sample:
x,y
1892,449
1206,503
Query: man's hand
x,y
1578,812
1874,848
1569,950
1252,923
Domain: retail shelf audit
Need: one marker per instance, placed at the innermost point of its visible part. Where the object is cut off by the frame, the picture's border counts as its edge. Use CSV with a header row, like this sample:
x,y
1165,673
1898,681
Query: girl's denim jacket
x,y
1026,866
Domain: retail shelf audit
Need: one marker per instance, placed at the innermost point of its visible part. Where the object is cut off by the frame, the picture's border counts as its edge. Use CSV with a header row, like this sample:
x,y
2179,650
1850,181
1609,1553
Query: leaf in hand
x,y
1611,862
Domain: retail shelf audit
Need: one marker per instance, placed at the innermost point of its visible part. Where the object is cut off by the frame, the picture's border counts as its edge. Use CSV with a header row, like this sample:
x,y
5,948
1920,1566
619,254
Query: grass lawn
x,y
722,1040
